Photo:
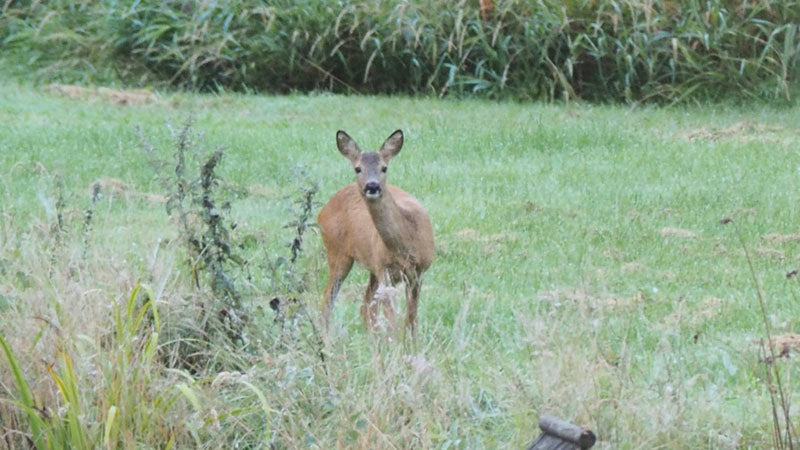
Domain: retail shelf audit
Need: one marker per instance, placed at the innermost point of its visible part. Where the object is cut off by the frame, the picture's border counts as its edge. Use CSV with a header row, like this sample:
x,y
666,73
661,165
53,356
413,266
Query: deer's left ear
x,y
392,146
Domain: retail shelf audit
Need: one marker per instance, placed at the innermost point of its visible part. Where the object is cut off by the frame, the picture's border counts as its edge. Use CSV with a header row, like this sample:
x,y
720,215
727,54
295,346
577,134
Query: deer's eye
x,y
358,169
383,169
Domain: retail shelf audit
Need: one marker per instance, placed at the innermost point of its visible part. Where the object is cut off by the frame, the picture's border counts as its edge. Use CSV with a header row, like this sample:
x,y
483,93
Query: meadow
x,y
592,262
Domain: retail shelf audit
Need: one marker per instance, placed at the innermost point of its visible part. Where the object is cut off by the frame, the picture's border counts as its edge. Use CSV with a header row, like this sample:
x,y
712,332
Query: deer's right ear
x,y
347,146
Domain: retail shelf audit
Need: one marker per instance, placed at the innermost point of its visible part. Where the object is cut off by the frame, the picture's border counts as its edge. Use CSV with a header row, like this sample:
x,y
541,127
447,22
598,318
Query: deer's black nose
x,y
372,188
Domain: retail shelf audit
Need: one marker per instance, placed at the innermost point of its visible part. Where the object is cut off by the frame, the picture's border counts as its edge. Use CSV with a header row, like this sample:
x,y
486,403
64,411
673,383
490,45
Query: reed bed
x,y
606,50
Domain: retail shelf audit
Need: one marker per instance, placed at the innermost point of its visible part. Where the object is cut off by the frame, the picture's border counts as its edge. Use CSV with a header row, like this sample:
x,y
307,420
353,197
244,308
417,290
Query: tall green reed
x,y
609,50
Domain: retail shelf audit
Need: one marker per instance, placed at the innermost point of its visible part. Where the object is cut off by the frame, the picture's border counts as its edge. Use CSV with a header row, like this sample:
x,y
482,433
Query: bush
x,y
600,50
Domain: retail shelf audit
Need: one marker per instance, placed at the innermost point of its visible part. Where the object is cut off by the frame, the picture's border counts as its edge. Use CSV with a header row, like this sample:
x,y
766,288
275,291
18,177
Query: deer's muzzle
x,y
372,189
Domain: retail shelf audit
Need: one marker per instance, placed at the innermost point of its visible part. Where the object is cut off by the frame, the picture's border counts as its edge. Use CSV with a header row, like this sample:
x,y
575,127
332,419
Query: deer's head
x,y
370,167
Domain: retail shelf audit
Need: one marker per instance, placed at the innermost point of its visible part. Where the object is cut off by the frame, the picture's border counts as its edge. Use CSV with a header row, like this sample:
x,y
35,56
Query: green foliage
x,y
618,50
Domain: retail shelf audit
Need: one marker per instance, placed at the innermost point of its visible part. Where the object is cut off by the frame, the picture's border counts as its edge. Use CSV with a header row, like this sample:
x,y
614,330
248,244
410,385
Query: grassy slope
x,y
554,287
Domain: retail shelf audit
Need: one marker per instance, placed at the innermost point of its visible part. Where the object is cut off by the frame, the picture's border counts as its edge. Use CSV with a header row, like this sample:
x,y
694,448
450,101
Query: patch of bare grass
x,y
594,302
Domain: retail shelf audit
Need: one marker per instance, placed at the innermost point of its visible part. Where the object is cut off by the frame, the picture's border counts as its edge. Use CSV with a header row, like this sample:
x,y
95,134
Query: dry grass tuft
x,y
633,267
136,97
704,311
154,198
492,243
114,187
422,370
681,233
782,238
614,302
259,190
770,253
555,295
784,344
469,234
743,130
710,307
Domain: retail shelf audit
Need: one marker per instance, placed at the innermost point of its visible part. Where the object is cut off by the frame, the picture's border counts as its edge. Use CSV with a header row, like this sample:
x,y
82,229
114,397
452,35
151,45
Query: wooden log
x,y
566,431
547,442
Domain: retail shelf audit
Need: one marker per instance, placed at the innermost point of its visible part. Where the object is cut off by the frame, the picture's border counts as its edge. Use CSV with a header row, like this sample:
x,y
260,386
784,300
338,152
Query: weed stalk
x,y
770,361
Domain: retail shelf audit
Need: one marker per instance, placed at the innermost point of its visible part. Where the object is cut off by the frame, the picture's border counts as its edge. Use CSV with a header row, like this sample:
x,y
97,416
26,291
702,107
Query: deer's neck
x,y
389,221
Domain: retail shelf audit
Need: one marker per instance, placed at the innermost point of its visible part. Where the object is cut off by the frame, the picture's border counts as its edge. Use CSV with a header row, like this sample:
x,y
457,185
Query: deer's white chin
x,y
372,195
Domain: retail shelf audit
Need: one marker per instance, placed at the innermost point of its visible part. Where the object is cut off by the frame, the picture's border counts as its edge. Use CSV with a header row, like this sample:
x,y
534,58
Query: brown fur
x,y
391,236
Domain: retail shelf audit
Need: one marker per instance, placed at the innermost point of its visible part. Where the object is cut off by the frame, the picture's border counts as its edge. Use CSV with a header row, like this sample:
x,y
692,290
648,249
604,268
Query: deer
x,y
380,226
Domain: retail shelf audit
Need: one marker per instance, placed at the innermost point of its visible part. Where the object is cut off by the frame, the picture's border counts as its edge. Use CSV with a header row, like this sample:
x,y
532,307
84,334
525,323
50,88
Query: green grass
x,y
565,279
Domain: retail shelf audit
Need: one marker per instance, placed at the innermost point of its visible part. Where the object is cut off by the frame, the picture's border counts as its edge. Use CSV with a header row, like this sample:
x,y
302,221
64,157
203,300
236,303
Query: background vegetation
x,y
606,50
582,270
618,267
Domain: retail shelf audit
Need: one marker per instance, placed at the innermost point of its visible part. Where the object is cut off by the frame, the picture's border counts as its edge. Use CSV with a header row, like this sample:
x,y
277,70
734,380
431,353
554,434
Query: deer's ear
x,y
347,146
392,146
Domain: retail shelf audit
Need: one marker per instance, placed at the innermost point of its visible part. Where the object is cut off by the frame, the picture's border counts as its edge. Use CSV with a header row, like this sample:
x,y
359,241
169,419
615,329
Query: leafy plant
x,y
194,201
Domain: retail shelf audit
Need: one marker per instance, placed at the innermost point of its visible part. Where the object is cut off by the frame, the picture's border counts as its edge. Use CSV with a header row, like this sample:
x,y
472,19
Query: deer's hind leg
x,y
369,309
413,288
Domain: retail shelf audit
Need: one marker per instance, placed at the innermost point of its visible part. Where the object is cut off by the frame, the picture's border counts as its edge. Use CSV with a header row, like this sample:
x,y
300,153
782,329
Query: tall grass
x,y
98,394
608,50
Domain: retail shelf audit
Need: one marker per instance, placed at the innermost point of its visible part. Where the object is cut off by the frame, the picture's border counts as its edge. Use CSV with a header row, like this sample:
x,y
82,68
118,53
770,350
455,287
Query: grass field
x,y
581,269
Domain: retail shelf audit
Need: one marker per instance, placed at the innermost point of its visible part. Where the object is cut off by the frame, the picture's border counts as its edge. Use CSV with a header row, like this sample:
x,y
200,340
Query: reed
x,y
607,50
